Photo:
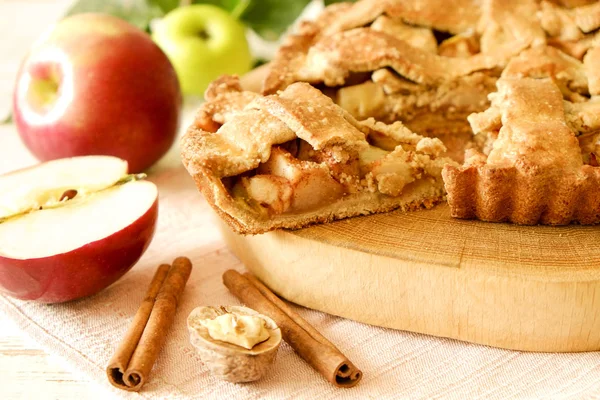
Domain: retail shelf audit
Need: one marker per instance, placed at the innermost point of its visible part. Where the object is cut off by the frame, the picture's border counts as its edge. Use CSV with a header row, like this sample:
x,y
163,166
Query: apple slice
x,y
81,244
45,184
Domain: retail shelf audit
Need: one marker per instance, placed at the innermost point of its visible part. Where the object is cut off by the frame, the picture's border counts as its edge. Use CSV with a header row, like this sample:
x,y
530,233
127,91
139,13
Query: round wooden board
x,y
517,287
533,288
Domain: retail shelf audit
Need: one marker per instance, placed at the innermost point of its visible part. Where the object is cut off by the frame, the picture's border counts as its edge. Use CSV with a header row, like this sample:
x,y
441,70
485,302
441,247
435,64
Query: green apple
x,y
203,42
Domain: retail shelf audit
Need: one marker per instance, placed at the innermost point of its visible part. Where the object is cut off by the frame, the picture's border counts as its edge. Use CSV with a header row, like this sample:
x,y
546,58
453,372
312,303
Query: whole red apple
x,y
96,85
71,227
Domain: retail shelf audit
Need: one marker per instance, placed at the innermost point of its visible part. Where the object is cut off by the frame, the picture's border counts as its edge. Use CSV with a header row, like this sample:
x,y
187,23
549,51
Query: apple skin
x,y
97,85
80,272
198,60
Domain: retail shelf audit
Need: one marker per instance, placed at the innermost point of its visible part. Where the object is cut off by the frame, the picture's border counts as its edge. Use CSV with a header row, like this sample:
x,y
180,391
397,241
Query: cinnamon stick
x,y
288,310
130,366
313,347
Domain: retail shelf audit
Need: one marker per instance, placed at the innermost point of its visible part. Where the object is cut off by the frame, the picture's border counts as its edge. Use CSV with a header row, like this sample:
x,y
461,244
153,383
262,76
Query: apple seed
x,y
68,195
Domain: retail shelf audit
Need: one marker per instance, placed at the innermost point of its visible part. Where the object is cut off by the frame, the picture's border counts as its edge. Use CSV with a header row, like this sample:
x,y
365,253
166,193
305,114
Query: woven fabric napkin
x,y
395,364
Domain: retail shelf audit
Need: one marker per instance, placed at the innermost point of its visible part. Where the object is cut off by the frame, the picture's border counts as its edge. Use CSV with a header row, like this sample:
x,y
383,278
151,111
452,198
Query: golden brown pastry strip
x,y
457,15
591,63
533,132
335,57
587,17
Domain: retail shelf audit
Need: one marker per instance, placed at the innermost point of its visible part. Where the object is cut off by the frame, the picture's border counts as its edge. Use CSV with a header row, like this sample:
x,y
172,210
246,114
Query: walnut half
x,y
228,361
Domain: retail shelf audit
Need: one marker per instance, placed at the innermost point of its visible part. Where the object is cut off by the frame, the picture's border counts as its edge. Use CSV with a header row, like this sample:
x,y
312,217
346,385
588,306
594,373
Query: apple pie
x,y
409,60
510,89
295,158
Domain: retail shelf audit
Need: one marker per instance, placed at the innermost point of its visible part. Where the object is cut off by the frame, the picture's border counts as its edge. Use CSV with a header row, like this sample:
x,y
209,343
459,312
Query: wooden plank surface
x,y
28,372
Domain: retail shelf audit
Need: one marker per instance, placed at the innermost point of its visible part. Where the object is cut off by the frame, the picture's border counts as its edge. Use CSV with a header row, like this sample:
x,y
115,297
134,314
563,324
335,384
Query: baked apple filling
x,y
285,184
306,179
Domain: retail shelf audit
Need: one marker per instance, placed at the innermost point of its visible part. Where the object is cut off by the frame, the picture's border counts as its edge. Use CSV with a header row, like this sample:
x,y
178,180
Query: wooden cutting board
x,y
517,287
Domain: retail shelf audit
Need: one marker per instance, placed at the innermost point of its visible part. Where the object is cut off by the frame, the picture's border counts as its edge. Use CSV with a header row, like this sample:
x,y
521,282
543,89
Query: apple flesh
x,y
97,85
55,178
203,42
82,244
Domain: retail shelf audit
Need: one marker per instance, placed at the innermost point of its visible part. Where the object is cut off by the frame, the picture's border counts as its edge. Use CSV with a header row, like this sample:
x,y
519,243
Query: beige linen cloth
x,y
395,364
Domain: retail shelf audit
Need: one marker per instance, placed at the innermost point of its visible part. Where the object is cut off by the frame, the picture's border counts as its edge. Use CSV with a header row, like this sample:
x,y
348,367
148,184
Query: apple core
x,y
43,91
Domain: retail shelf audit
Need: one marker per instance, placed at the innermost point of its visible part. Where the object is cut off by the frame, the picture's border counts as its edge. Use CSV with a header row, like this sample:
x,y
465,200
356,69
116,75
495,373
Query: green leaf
x,y
328,2
258,62
166,5
228,5
136,12
7,120
271,18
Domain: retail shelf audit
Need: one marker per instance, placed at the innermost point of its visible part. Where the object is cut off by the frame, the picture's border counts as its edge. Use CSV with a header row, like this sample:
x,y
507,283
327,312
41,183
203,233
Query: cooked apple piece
x,y
281,163
315,188
311,182
462,45
305,151
590,147
393,172
273,192
363,100
388,137
368,156
382,141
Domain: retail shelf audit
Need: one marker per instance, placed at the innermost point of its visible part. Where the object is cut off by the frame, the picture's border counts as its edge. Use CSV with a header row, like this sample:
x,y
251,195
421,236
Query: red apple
x,y
95,84
71,227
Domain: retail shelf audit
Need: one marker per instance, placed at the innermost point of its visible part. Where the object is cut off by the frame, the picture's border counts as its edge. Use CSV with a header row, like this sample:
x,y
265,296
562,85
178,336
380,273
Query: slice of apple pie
x,y
295,158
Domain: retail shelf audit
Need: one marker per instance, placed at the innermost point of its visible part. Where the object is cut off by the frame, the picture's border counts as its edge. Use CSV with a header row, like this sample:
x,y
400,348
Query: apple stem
x,y
203,35
240,9
131,178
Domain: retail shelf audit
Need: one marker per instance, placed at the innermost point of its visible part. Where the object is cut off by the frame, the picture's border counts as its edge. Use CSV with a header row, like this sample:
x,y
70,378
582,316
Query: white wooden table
x,y
27,372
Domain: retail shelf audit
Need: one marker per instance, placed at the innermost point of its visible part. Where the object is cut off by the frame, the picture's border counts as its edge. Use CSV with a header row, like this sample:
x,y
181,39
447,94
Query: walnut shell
x,y
228,361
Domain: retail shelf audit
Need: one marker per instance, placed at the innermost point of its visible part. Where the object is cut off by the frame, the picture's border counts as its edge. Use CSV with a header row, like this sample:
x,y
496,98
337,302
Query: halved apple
x,y
71,227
